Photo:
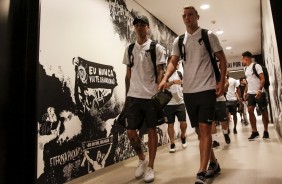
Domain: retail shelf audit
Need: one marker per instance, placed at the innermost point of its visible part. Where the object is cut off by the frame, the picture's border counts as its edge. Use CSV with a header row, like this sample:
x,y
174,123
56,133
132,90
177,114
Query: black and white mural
x,y
272,63
81,90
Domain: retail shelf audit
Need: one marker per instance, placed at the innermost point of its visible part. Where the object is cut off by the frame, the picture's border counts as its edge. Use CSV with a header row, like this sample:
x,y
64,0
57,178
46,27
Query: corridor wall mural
x,y
80,85
272,62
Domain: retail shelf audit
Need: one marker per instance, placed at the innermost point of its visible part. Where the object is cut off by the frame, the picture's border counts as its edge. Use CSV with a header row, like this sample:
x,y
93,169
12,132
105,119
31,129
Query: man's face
x,y
141,28
245,61
190,17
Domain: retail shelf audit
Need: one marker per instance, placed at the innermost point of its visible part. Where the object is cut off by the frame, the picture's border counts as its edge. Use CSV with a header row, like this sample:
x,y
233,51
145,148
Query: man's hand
x,y
220,89
162,85
258,95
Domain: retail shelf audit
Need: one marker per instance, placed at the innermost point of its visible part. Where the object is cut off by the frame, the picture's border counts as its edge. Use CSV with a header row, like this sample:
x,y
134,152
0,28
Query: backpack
x,y
152,51
180,75
265,73
206,41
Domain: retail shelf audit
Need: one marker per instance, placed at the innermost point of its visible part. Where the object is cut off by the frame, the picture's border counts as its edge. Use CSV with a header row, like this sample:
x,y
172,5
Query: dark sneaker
x,y
265,135
213,169
234,130
183,141
172,148
201,178
215,144
227,138
253,136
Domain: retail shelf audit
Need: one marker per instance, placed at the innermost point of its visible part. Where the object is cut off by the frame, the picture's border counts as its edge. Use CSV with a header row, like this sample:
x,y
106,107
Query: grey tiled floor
x,y
242,162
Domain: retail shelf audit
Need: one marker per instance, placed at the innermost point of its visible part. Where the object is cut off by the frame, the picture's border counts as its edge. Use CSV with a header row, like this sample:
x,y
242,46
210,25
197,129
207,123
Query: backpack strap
x,y
154,58
208,47
179,74
255,70
182,47
130,55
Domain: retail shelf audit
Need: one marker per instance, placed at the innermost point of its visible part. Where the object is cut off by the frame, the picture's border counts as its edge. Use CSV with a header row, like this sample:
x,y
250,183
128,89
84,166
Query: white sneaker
x,y
149,175
142,165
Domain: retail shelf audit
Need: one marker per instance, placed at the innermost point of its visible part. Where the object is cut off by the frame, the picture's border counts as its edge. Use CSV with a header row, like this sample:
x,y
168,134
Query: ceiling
x,y
239,19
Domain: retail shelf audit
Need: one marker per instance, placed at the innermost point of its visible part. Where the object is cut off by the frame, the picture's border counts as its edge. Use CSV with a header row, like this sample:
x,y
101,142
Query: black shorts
x,y
231,106
220,111
170,111
139,111
262,101
200,107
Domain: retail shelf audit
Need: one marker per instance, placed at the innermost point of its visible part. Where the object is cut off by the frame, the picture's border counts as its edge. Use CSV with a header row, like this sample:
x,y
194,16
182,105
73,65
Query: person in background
x,y
200,87
255,94
242,109
141,84
232,100
176,108
220,118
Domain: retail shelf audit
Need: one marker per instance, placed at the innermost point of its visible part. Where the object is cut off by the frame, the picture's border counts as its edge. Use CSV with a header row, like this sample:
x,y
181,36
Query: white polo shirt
x,y
176,90
143,80
253,80
231,92
198,71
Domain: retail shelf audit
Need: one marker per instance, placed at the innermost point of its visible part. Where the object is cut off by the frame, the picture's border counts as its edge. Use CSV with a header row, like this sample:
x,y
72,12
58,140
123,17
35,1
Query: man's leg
x,y
252,118
135,142
205,145
152,144
170,131
265,119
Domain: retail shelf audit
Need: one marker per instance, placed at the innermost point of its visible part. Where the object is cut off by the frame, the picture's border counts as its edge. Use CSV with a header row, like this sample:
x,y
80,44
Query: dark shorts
x,y
262,101
170,111
231,106
200,107
220,111
139,111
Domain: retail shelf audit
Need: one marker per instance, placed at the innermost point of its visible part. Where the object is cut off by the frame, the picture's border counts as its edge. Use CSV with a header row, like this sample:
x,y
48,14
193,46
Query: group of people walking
x,y
198,92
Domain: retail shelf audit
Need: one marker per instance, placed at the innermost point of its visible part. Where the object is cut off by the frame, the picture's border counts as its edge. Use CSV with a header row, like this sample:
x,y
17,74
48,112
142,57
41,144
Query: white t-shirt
x,y
198,71
231,92
176,90
143,80
253,80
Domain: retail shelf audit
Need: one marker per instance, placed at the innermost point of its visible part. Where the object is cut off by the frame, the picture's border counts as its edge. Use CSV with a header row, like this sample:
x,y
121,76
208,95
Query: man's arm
x,y
169,71
127,79
223,67
160,71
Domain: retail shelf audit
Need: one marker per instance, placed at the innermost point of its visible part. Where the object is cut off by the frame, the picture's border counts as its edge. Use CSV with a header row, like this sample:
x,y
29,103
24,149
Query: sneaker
x,y
234,130
172,148
227,138
142,165
213,169
265,135
215,144
253,136
184,144
149,175
201,178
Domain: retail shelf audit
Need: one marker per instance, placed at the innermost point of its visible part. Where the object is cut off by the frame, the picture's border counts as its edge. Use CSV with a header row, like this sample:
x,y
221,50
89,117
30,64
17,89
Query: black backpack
x,y
206,41
152,51
265,73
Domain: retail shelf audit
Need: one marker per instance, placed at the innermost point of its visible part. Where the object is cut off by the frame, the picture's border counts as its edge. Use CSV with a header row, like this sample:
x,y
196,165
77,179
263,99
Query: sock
x,y
225,131
214,137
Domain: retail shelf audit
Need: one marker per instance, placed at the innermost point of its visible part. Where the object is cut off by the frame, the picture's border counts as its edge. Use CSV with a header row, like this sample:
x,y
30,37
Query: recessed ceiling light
x,y
219,32
228,48
205,6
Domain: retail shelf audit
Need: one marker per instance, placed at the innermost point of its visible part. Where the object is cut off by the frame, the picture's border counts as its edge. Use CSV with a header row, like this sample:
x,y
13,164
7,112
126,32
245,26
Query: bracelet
x,y
259,90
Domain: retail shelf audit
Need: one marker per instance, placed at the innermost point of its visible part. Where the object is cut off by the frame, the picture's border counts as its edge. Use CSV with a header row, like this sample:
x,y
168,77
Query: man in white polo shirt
x,y
255,94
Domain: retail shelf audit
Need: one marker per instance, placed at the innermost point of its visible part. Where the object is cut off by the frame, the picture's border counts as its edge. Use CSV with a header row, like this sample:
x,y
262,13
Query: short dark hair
x,y
247,54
